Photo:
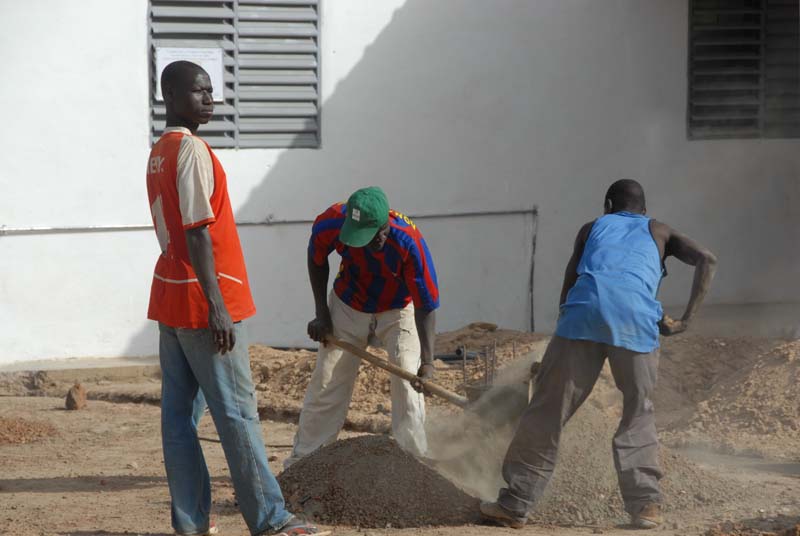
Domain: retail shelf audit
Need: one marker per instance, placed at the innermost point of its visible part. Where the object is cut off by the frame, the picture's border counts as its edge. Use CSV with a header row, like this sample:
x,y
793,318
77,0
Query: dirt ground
x,y
727,408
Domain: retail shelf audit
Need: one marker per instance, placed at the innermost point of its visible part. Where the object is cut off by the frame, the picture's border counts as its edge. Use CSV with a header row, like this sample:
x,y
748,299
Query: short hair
x,y
179,73
626,194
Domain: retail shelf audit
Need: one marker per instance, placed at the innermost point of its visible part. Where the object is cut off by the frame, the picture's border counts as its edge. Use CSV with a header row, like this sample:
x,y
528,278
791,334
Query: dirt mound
x,y
479,335
782,526
15,431
691,365
753,410
371,482
23,383
281,377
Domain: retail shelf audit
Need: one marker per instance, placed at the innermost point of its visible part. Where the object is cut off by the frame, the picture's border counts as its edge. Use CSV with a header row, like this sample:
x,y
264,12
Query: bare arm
x,y
689,252
322,325
426,328
201,255
571,272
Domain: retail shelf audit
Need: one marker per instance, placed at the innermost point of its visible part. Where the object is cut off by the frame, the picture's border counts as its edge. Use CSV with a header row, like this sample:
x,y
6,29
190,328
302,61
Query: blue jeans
x,y
198,408
190,361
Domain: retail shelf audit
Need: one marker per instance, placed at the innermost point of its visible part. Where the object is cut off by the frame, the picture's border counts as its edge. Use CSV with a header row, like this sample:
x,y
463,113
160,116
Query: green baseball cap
x,y
367,212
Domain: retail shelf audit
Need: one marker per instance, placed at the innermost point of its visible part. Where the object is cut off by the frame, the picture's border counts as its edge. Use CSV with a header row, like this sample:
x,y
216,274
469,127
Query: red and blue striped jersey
x,y
374,282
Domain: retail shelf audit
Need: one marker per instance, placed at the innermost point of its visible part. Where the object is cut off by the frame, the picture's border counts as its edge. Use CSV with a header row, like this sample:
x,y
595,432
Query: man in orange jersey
x,y
200,296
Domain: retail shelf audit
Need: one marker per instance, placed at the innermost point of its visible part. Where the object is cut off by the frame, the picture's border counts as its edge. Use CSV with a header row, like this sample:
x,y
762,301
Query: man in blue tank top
x,y
609,309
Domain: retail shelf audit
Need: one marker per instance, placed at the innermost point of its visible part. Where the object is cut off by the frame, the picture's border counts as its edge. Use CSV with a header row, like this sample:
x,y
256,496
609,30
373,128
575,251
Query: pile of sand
x,y
754,410
285,375
782,526
370,482
691,365
25,383
15,431
480,335
282,377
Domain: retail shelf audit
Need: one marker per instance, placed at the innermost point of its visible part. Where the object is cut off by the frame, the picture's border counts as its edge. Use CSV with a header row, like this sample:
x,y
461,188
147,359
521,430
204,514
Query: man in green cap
x,y
385,290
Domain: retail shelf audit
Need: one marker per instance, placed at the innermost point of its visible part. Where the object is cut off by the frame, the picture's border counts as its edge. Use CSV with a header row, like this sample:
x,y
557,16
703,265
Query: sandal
x,y
297,527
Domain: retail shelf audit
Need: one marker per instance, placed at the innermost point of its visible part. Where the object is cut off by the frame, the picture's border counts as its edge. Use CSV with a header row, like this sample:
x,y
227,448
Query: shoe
x,y
298,527
648,517
496,513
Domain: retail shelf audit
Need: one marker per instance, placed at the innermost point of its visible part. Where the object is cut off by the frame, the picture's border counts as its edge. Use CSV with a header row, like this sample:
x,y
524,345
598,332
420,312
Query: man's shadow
x,y
106,533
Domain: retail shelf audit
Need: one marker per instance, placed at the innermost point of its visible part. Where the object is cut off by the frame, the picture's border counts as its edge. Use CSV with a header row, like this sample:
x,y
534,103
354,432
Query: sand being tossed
x,y
584,488
369,481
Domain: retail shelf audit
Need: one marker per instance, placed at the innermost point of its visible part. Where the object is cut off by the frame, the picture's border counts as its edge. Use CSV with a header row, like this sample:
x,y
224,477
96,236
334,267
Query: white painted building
x,y
452,106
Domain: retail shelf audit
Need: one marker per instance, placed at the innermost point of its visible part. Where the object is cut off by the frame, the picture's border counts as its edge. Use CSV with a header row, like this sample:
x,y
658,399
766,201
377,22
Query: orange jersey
x,y
187,188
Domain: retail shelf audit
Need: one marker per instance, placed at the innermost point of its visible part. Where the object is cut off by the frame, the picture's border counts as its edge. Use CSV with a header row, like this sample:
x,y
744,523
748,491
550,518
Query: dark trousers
x,y
569,371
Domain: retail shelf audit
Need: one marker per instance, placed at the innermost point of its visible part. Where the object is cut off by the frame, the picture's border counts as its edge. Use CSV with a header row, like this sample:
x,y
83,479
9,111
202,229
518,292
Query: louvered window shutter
x,y
781,69
271,61
743,69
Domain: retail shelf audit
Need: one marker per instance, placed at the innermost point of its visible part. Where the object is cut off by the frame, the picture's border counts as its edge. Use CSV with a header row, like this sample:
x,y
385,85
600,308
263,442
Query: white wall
x,y
450,106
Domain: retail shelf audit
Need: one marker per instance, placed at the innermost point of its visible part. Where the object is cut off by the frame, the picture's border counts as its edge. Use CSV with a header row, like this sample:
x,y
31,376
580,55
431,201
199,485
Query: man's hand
x,y
669,326
425,372
322,325
688,252
320,328
221,327
425,321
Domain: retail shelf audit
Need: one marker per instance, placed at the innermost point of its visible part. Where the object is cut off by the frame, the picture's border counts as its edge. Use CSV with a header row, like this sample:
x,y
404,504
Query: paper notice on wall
x,y
209,59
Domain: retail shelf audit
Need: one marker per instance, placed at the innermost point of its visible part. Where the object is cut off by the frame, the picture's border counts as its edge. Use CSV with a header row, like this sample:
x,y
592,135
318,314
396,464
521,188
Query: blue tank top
x,y
614,299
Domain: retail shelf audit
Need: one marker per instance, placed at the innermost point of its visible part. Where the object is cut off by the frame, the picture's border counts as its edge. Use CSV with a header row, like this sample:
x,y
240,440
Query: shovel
x,y
431,387
500,405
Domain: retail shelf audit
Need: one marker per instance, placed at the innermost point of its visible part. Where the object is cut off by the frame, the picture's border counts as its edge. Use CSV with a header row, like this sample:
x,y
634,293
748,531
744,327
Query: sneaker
x,y
298,527
496,513
648,517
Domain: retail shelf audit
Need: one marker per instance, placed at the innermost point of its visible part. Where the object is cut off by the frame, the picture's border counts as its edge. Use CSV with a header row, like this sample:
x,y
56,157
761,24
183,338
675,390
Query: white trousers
x,y
331,387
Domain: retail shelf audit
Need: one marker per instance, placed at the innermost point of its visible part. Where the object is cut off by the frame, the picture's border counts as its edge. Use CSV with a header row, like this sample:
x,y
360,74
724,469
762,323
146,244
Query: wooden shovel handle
x,y
429,386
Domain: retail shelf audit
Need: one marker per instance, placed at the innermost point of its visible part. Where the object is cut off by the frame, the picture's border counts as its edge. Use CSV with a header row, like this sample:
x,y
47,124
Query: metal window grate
x,y
271,61
743,69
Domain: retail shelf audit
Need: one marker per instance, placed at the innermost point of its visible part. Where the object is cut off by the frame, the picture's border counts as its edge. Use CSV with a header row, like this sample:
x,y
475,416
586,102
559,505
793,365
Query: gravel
x,y
370,482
